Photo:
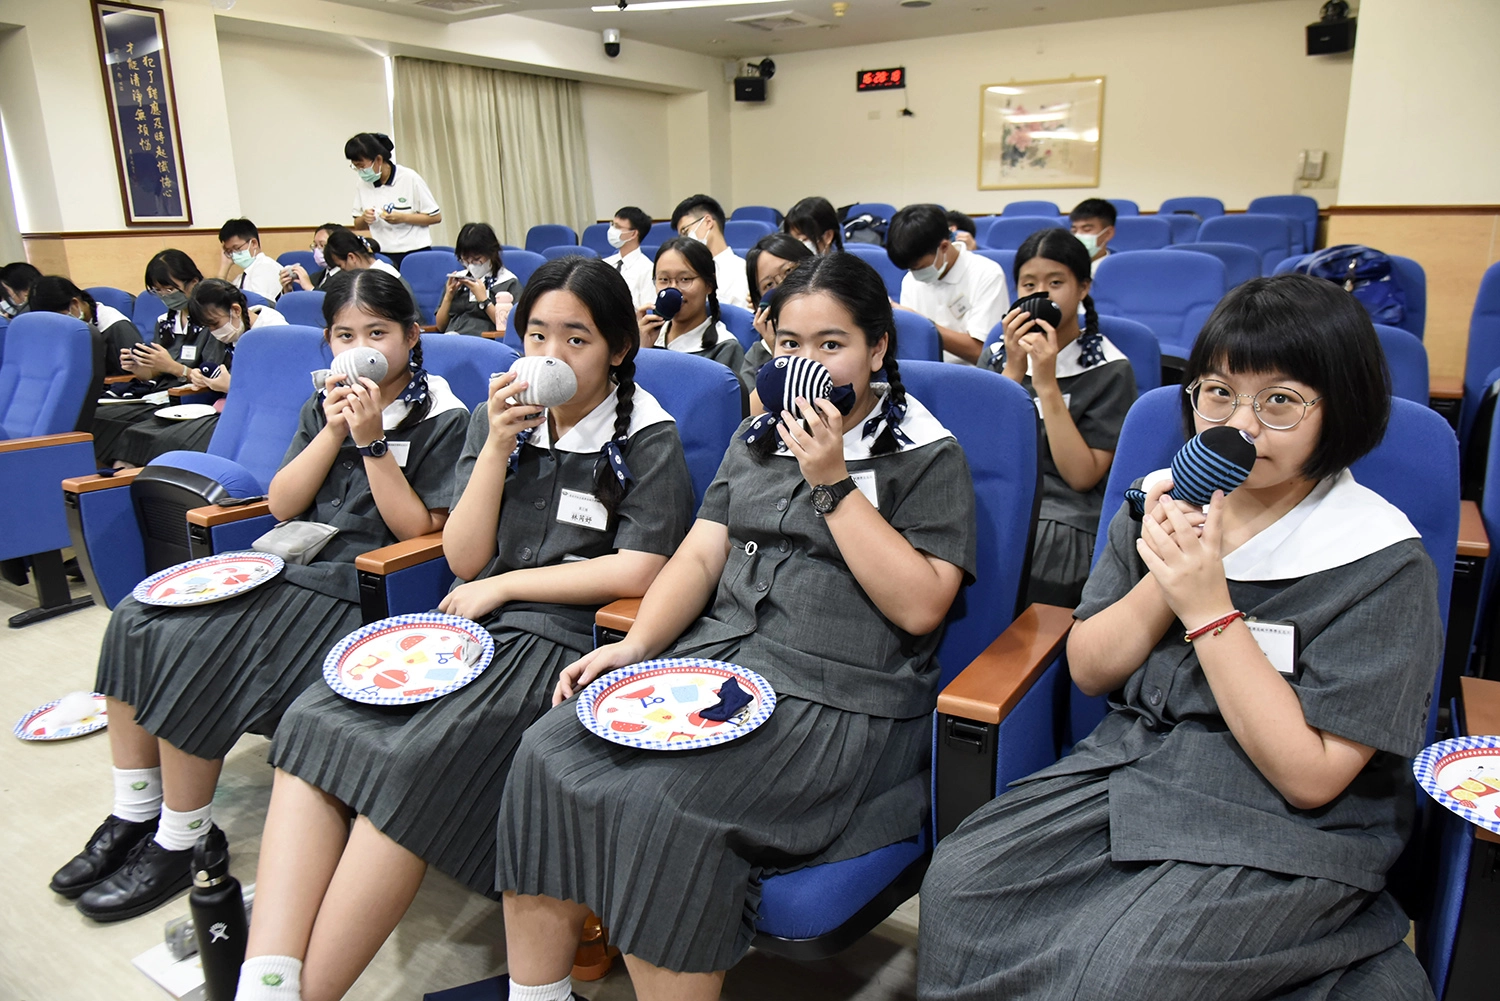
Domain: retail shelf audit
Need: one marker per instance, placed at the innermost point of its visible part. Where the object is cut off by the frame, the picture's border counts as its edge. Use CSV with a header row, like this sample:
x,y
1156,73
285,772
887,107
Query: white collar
x,y
595,430
690,342
1069,358
438,392
919,425
106,316
1336,524
727,252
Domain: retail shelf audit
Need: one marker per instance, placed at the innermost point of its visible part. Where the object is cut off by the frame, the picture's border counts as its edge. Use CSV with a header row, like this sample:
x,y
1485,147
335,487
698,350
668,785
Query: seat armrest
x,y
44,441
493,335
400,555
996,680
88,484
1481,714
619,615
429,328
178,392
1445,387
1472,538
211,515
115,380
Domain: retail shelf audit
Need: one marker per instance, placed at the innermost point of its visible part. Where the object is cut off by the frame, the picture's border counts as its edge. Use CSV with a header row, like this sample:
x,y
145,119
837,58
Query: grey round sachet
x,y
550,382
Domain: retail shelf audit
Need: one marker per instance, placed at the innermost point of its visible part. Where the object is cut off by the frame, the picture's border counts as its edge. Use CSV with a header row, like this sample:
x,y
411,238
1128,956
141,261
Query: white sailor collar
x,y
106,316
591,434
919,425
691,342
1069,359
438,391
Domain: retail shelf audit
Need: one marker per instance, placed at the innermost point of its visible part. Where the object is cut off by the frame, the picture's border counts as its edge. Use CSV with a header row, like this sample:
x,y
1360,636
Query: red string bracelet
x,y
1216,627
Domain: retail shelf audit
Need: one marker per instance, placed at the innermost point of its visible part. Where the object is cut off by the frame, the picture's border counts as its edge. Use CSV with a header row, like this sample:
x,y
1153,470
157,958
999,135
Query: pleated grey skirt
x,y
1023,902
200,677
429,776
144,441
1060,562
669,848
113,420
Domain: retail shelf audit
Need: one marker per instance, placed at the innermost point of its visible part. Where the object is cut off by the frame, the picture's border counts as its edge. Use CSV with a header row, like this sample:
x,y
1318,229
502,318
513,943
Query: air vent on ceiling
x,y
782,20
461,6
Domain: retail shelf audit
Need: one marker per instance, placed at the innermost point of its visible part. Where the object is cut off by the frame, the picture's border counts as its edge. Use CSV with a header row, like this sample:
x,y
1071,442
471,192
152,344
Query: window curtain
x,y
503,148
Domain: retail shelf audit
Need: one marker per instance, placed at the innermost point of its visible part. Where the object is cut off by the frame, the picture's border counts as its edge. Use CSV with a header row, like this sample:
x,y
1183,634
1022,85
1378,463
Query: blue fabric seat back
x,y
522,263
650,250
303,308
302,257
1009,232
742,234
877,258
1042,208
1240,262
879,210
916,337
387,260
1124,207
1203,208
596,237
1406,358
703,397
569,250
539,238
1483,355
757,213
1412,278
1007,261
1140,345
740,322
114,298
1184,226
660,233
1171,293
1141,232
4,325
1301,210
427,271
255,298
1268,235
148,309
45,375
466,363
443,247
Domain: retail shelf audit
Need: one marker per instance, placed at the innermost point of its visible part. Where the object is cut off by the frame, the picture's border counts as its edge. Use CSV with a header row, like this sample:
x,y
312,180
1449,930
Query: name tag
x,y
865,480
1067,402
399,451
584,510
1278,641
189,352
959,307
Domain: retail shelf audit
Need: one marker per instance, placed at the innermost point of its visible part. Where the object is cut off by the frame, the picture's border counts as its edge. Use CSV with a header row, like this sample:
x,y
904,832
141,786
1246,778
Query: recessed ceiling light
x,y
916,4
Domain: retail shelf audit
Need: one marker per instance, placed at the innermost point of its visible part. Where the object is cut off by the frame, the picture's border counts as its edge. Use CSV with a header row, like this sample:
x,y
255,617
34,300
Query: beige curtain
x,y
503,148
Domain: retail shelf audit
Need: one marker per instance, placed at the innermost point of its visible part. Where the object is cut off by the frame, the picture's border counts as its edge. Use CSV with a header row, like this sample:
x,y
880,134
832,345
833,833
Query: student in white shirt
x,y
259,273
963,293
393,203
701,218
815,222
626,230
1093,222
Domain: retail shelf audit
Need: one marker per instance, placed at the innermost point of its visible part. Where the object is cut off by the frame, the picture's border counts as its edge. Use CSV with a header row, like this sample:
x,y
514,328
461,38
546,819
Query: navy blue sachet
x,y
732,698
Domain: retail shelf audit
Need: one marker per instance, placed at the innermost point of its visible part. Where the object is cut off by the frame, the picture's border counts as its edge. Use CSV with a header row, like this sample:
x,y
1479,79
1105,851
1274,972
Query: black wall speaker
x,y
1329,37
749,88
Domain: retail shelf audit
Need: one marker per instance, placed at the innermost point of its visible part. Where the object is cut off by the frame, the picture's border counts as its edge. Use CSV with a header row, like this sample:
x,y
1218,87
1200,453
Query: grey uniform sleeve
x,y
1118,569
478,434
715,506
308,426
937,515
656,511
1099,425
434,457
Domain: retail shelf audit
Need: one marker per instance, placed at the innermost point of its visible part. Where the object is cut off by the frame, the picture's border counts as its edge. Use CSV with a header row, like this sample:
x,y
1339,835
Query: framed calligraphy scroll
x,y
143,113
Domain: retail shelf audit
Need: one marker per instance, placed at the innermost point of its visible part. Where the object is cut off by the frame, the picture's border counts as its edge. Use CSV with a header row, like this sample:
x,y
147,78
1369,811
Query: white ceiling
x,y
710,31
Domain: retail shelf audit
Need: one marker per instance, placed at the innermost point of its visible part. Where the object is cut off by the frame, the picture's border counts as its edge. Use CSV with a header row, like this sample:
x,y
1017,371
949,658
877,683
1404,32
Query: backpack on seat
x,y
866,228
1366,274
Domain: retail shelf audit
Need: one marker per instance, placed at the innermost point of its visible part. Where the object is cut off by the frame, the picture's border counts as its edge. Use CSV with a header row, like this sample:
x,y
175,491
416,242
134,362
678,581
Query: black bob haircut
x,y
812,217
171,267
369,145
1312,331
915,232
478,239
702,205
961,222
18,276
779,245
1094,208
217,294
54,294
242,228
639,221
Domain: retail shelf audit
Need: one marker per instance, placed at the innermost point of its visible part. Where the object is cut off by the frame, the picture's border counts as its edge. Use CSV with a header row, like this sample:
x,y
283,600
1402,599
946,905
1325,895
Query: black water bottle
x,y
218,910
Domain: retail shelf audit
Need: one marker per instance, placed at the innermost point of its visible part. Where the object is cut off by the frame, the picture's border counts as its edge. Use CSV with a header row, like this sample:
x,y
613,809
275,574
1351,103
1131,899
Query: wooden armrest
x,y
493,335
213,514
429,329
1472,538
189,390
88,484
1481,699
618,615
115,380
44,441
995,681
400,555
1445,387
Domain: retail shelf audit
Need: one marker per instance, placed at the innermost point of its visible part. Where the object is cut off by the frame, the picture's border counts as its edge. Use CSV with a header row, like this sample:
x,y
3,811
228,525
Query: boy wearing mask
x,y
259,273
963,294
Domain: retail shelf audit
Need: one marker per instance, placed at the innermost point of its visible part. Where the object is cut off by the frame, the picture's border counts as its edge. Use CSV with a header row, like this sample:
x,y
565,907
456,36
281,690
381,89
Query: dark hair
x,y
53,293
812,217
858,287
702,204
19,276
914,232
242,228
701,260
217,294
329,227
477,239
1059,245
1094,208
639,221
957,220
605,294
788,248
344,243
171,267
1312,331
383,295
369,145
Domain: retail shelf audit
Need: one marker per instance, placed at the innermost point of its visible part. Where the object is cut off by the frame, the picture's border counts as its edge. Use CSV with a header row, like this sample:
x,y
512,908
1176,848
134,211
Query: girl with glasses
x,y
1226,830
688,266
766,267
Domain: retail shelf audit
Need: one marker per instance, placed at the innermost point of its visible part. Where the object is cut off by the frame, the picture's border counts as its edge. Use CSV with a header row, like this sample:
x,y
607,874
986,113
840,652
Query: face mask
x,y
175,301
809,245
930,274
229,332
616,237
242,258
368,174
77,316
692,233
481,270
1090,242
318,257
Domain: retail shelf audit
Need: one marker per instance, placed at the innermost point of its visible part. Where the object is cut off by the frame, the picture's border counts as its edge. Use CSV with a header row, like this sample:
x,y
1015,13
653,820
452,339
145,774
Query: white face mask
x,y
616,237
809,245
692,233
930,274
1090,242
481,270
229,332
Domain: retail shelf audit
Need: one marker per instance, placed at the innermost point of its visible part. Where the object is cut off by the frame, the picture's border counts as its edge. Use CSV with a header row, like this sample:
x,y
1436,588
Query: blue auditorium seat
x,y
917,338
1184,225
303,257
757,213
1241,263
881,262
1009,232
148,309
1300,210
1007,261
1124,206
1041,208
522,263
302,308
1405,272
1140,232
256,299
1203,208
740,322
427,271
1269,235
1406,358
114,298
539,238
1170,292
742,234
880,210
596,238
569,250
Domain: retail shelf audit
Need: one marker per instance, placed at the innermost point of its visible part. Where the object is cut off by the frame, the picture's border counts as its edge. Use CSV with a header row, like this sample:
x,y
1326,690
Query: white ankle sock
x,y
137,793
560,991
180,831
270,978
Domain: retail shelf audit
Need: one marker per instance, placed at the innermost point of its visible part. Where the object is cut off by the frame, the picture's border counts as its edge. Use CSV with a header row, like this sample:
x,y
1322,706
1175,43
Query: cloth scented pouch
x,y
732,698
296,542
354,364
781,381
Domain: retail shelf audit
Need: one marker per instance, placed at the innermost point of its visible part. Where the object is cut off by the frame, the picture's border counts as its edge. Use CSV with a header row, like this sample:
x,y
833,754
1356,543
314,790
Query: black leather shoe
x,y
105,852
149,878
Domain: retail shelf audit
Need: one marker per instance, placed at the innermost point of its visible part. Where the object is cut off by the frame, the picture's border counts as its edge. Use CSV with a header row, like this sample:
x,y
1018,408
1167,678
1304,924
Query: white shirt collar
x,y
590,434
1069,359
106,316
438,391
919,425
690,341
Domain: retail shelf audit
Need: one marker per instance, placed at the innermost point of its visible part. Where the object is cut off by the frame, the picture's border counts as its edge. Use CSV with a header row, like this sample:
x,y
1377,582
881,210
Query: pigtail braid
x,y
1090,316
422,407
711,335
607,486
887,442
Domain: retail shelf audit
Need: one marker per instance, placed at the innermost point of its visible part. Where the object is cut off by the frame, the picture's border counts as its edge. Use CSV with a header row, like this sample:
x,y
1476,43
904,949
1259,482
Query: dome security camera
x,y
611,42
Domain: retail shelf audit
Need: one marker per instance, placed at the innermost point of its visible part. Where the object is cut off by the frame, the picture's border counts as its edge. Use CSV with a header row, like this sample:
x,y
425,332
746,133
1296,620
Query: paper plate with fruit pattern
x,y
654,705
408,658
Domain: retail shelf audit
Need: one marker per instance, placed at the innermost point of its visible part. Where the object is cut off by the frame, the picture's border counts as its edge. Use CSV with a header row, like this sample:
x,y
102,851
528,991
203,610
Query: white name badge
x,y
1278,641
399,451
959,307
578,508
1067,402
865,480
189,352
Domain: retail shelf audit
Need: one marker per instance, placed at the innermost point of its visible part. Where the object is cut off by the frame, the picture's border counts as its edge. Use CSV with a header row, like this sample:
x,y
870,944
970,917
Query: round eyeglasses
x,y
681,281
1276,407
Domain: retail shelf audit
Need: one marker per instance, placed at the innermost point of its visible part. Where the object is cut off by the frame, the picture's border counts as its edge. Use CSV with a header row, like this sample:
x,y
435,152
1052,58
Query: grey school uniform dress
x,y
1098,387
465,316
430,775
1156,861
725,349
181,338
199,677
669,849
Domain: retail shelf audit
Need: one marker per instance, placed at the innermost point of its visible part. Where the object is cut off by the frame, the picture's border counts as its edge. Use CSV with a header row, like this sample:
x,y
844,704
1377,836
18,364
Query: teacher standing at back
x,y
393,203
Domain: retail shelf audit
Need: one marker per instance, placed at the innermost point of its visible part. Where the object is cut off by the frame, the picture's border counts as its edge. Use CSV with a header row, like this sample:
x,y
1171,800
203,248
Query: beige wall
x,y
626,132
1424,105
1206,102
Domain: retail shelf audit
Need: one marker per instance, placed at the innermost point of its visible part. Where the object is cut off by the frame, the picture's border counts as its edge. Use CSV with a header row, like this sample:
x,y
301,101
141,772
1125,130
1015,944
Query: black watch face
x,y
378,448
822,498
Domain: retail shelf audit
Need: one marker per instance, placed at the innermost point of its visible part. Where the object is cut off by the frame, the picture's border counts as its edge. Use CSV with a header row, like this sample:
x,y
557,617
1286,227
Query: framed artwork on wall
x,y
1044,134
137,75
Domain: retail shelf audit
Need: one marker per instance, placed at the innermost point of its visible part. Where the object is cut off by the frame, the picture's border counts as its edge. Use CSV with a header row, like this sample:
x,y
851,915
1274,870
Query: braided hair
x,y
383,295
701,262
605,294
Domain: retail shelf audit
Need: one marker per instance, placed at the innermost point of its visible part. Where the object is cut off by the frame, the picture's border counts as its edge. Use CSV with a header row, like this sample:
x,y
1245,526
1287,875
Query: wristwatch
x,y
826,497
375,449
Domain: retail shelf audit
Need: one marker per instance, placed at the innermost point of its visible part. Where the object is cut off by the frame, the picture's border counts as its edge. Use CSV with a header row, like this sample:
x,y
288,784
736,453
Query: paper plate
x,y
187,411
35,725
408,658
1463,774
212,578
654,705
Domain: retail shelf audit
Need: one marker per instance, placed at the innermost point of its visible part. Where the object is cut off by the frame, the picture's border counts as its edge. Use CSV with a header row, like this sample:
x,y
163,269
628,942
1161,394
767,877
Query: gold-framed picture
x,y
1042,134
